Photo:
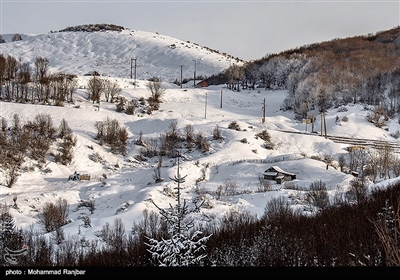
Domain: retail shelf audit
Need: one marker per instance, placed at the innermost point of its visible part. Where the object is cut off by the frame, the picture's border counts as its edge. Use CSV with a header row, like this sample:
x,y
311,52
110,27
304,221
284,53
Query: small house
x,y
201,84
83,175
278,174
354,173
92,73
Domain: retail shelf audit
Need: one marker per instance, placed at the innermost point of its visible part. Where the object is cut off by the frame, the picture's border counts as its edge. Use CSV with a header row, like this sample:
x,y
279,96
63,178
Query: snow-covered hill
x,y
114,54
233,164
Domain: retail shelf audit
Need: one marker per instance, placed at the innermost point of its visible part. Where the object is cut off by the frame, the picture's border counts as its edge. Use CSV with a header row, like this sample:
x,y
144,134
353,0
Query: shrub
x,y
358,191
131,107
54,216
202,143
217,133
264,135
318,195
269,145
342,109
234,125
395,134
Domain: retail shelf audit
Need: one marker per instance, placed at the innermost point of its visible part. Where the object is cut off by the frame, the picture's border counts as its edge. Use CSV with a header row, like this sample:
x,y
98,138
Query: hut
x,y
278,174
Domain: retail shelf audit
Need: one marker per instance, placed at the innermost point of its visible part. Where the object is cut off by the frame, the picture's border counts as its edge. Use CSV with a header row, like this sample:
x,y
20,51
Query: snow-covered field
x,y
230,162
130,184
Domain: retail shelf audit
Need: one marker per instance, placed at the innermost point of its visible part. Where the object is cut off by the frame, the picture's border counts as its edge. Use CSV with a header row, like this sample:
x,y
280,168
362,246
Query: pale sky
x,y
245,29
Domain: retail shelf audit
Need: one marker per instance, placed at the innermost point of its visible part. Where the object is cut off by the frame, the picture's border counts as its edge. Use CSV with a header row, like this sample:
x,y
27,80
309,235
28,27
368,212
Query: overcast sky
x,y
245,29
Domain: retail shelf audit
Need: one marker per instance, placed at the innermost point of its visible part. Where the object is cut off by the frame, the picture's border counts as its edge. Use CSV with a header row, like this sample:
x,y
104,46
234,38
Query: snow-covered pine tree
x,y
185,247
7,229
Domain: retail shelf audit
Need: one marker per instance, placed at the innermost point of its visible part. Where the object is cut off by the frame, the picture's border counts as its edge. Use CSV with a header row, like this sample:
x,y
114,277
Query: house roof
x,y
278,169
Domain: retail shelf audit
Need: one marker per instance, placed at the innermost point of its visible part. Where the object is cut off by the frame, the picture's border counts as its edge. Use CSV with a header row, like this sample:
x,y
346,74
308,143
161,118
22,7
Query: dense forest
x,y
361,69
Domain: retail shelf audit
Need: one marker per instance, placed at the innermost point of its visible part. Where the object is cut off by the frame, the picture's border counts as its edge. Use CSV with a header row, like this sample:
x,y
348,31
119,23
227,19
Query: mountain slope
x,y
113,54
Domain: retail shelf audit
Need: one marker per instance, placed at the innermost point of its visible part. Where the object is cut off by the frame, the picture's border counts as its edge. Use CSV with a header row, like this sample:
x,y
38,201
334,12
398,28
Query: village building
x,y
92,73
278,174
79,176
201,84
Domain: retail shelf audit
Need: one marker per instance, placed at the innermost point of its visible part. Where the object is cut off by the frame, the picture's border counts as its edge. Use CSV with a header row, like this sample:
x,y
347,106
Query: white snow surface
x,y
130,184
113,54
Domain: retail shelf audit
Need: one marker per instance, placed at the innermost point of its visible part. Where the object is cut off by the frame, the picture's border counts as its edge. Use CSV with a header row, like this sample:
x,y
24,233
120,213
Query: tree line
x,y
19,82
346,232
361,69
32,141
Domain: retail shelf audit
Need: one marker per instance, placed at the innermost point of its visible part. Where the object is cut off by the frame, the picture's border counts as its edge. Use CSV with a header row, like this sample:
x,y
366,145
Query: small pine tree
x,y
8,233
183,248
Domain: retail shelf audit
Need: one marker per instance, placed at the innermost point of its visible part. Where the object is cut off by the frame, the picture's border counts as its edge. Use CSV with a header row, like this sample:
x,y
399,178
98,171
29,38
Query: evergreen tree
x,y
7,230
186,246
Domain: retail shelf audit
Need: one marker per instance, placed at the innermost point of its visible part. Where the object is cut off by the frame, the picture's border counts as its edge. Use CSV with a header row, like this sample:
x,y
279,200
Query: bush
x,y
318,195
234,125
217,132
54,216
264,135
131,107
202,143
269,145
395,134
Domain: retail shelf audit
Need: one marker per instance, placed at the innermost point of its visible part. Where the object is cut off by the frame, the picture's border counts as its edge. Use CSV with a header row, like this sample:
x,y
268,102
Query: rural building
x,y
92,73
83,175
276,173
202,83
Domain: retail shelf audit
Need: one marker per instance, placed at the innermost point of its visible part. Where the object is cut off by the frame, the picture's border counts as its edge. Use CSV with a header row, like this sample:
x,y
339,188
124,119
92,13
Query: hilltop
x,y
110,52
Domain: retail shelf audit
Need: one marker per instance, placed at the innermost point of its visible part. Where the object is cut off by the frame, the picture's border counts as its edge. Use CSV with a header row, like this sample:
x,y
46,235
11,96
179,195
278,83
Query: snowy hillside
x,y
121,186
230,161
113,54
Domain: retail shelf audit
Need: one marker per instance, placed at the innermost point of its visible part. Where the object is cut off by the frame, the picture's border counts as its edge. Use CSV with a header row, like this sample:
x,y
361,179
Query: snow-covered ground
x,y
230,161
130,184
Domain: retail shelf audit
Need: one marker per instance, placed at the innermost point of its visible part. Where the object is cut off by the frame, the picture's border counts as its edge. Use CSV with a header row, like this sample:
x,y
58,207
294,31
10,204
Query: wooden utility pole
x,y
194,75
181,75
221,99
323,124
263,109
135,70
135,67
205,108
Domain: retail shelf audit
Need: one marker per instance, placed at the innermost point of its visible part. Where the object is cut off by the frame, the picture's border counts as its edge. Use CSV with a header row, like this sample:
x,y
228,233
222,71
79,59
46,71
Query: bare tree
x,y
54,215
12,175
217,132
235,74
2,73
318,195
387,225
111,90
42,65
11,68
131,106
341,162
157,172
189,135
156,90
358,191
95,86
64,129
